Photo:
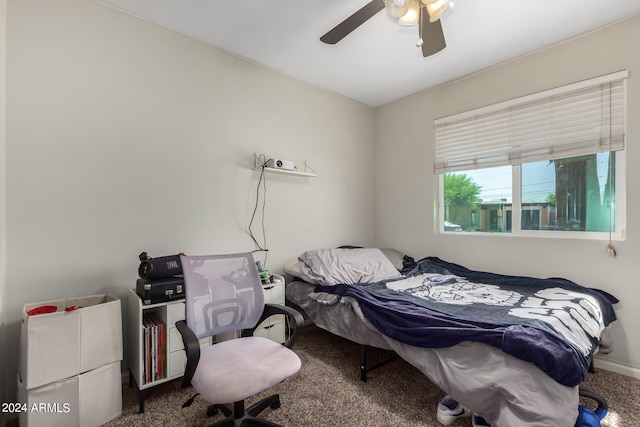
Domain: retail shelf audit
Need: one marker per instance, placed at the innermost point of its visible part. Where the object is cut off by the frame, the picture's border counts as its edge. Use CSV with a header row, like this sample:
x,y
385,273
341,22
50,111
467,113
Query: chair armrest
x,y
294,318
191,348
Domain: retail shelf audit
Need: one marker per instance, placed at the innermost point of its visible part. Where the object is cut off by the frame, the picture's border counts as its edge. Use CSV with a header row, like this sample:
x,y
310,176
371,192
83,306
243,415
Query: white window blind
x,y
582,118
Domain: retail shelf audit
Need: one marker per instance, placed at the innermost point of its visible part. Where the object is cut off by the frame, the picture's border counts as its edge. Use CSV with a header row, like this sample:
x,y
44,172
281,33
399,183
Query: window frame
x,y
521,131
619,234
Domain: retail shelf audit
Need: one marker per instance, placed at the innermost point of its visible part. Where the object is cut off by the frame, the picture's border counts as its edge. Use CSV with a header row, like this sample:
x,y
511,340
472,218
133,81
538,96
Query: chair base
x,y
237,416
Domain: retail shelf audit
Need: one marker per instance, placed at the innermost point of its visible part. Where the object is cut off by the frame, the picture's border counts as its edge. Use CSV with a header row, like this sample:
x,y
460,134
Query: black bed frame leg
x,y
363,363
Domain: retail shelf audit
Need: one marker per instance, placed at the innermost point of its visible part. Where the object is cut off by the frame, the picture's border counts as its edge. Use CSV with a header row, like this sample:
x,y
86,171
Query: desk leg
x,y
141,400
140,393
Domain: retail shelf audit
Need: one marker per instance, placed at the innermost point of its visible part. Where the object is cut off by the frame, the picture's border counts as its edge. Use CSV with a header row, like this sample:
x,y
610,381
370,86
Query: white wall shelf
x,y
258,164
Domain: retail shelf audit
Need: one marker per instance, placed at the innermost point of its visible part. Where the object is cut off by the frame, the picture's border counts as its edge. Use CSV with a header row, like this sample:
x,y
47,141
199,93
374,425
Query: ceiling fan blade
x,y
344,28
431,34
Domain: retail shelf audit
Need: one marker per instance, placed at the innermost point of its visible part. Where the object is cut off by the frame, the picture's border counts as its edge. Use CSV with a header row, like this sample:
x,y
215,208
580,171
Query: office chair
x,y
223,294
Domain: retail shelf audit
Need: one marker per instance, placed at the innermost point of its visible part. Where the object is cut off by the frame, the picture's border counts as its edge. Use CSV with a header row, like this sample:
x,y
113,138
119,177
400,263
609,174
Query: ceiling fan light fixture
x,y
430,35
396,8
412,17
437,8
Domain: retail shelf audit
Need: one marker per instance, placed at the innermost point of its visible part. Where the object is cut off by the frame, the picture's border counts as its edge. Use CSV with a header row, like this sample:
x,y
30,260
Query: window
x,y
549,164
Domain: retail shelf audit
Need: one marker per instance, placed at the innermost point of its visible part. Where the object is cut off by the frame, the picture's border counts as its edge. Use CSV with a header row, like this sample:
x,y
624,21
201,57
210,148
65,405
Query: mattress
x,y
507,391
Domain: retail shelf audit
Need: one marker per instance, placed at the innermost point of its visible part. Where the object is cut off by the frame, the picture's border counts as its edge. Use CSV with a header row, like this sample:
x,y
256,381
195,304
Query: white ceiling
x,y
378,62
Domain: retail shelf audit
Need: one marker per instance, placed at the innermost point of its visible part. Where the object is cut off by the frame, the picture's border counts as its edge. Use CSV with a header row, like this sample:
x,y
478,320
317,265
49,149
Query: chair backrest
x,y
222,293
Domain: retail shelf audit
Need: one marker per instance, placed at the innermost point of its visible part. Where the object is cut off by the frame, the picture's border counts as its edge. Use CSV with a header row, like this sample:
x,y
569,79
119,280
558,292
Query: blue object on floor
x,y
588,417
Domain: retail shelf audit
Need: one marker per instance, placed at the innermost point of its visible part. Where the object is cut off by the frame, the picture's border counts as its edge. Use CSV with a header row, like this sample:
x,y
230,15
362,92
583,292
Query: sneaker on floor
x,y
479,421
449,410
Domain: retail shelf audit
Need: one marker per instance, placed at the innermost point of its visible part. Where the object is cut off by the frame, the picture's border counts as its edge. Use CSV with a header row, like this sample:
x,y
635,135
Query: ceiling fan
x,y
424,14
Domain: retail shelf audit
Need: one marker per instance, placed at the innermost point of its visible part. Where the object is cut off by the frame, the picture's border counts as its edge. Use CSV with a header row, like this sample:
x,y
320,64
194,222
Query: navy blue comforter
x,y
552,323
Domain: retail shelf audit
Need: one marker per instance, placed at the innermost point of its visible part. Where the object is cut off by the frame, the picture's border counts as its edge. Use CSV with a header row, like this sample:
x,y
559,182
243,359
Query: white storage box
x,y
86,400
62,344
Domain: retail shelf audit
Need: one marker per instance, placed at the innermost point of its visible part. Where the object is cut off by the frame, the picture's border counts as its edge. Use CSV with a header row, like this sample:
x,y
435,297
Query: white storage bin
x,y
86,400
62,344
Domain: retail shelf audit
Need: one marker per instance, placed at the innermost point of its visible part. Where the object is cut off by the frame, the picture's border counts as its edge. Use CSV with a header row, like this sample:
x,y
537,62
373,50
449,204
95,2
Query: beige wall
x,y
124,137
406,185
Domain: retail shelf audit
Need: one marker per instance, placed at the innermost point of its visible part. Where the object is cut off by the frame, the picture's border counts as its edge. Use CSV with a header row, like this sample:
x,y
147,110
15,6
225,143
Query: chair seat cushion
x,y
237,369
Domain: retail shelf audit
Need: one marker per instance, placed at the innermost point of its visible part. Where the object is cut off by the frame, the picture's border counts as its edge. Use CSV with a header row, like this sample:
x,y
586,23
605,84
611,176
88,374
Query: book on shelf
x,y
154,348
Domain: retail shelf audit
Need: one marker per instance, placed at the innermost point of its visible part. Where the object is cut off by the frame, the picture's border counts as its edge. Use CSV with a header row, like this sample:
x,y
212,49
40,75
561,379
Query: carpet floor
x,y
327,392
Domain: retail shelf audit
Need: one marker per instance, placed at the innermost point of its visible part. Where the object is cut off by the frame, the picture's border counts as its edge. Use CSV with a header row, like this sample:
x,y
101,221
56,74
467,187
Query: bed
x,y
514,349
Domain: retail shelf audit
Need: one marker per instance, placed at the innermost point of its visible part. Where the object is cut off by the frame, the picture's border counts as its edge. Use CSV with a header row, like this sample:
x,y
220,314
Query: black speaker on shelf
x,y
160,267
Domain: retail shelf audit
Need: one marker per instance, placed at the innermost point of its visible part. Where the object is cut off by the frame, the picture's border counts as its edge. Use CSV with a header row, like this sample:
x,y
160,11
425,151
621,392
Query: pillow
x,y
396,257
349,266
294,269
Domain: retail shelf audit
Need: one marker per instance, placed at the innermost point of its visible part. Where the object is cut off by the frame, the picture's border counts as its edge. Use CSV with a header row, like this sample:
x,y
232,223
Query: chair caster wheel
x,y
275,405
212,411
